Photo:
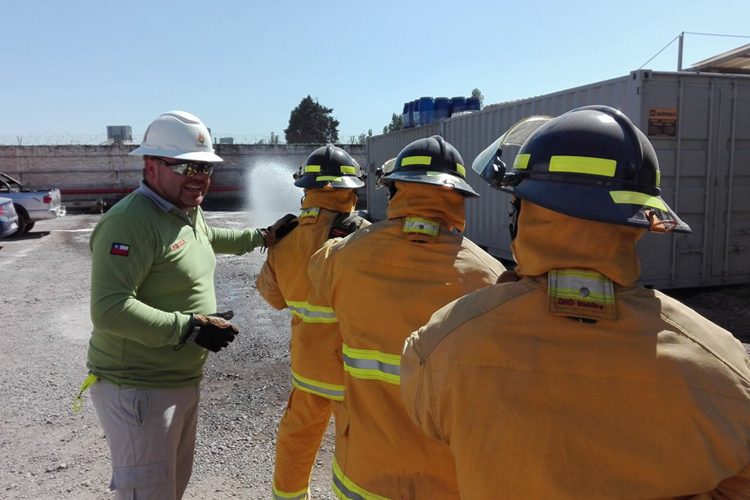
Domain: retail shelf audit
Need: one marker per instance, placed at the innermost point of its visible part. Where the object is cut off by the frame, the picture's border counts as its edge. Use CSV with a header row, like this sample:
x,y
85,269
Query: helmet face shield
x,y
489,163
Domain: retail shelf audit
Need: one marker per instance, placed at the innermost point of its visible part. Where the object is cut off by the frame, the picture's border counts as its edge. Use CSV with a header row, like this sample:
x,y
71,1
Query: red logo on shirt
x,y
176,246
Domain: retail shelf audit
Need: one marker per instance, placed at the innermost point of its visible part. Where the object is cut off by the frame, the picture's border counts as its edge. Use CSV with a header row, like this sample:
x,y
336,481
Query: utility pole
x,y
679,51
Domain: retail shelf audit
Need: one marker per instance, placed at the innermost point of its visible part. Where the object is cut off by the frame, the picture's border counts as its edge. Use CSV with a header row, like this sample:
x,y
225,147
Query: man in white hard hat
x,y
153,308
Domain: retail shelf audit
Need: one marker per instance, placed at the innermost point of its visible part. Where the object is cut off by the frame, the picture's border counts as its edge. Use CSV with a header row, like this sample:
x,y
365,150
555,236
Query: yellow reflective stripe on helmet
x,y
658,177
423,226
310,313
583,165
309,212
416,160
312,168
346,488
328,178
522,161
372,365
348,169
635,198
461,170
317,387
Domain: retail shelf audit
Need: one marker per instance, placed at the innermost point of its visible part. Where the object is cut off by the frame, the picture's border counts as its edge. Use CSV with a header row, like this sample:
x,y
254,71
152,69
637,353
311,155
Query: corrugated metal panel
x,y
700,128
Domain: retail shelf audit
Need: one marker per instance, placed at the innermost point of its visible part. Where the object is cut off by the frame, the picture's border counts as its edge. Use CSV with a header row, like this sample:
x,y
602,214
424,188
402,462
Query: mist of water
x,y
270,189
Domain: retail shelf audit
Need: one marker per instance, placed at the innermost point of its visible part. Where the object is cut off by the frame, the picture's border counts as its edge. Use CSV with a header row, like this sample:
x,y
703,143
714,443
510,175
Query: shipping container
x,y
699,124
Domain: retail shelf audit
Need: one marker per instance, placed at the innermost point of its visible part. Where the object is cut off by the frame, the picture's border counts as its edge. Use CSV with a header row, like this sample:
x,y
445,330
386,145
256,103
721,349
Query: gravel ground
x,y
49,452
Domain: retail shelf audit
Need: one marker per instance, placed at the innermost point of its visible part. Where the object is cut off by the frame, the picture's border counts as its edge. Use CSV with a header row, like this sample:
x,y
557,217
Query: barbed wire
x,y
60,139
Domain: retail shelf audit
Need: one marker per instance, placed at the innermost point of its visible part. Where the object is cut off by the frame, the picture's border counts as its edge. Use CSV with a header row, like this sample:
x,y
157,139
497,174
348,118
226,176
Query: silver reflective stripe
x,y
324,389
310,313
282,495
372,365
347,489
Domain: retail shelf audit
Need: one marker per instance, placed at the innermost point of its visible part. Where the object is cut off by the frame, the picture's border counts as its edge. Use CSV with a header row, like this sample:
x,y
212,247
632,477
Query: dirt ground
x,y
49,452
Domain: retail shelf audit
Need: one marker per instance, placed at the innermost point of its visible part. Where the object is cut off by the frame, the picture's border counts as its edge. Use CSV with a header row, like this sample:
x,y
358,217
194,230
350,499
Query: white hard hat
x,y
179,135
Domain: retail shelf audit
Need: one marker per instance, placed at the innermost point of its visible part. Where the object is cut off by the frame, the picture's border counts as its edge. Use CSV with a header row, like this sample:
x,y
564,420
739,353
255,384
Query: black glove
x,y
213,332
346,223
279,229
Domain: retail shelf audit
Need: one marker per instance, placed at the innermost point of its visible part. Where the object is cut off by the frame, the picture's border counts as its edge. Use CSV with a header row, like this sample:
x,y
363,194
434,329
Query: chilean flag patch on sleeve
x,y
120,249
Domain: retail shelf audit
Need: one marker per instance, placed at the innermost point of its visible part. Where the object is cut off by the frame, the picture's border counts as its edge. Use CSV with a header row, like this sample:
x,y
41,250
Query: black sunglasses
x,y
189,168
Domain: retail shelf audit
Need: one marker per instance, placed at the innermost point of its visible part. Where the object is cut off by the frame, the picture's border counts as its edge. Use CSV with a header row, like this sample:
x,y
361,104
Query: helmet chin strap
x,y
513,215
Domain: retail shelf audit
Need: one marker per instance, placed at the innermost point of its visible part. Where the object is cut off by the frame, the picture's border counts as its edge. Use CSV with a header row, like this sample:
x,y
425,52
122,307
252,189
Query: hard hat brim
x,y
199,156
595,203
434,178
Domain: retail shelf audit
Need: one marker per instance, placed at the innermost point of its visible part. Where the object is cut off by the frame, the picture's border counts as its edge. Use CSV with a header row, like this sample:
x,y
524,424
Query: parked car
x,y
8,218
31,204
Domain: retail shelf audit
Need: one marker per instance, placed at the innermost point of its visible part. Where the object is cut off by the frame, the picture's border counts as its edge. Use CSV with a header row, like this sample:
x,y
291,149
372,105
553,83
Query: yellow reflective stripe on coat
x,y
583,165
284,495
367,364
581,293
416,160
309,212
420,225
634,198
580,283
310,313
323,389
345,488
78,400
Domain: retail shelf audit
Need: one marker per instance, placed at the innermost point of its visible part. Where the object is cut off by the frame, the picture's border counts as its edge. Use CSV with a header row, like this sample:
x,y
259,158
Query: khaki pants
x,y
151,438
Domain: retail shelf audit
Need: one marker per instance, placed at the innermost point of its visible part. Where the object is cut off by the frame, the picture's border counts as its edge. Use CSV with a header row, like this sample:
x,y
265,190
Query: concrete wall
x,y
88,173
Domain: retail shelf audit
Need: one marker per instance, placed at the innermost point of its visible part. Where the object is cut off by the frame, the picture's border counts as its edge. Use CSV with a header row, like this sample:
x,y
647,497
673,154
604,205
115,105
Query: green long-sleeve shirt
x,y
151,267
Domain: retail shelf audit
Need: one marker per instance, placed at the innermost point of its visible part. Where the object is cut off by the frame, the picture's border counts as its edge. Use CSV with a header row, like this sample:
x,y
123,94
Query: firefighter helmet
x,y
432,160
594,163
329,165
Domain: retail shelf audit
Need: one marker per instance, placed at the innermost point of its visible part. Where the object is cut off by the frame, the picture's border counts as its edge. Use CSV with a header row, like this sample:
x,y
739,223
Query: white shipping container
x,y
699,124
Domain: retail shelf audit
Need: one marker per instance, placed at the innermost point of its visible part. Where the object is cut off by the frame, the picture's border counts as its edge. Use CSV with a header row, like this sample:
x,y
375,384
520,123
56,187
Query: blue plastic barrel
x,y
416,120
473,104
405,116
442,108
458,104
426,110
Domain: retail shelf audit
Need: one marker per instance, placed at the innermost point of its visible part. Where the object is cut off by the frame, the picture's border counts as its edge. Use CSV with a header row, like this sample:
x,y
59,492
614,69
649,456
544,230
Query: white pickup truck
x,y
31,204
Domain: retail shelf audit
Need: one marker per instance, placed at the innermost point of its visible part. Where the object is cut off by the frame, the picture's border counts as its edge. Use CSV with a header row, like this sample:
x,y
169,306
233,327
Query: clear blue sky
x,y
72,68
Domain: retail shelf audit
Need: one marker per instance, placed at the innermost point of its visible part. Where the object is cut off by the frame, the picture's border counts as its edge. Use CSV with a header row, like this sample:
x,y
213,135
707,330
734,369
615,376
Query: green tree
x,y
478,93
397,123
311,123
